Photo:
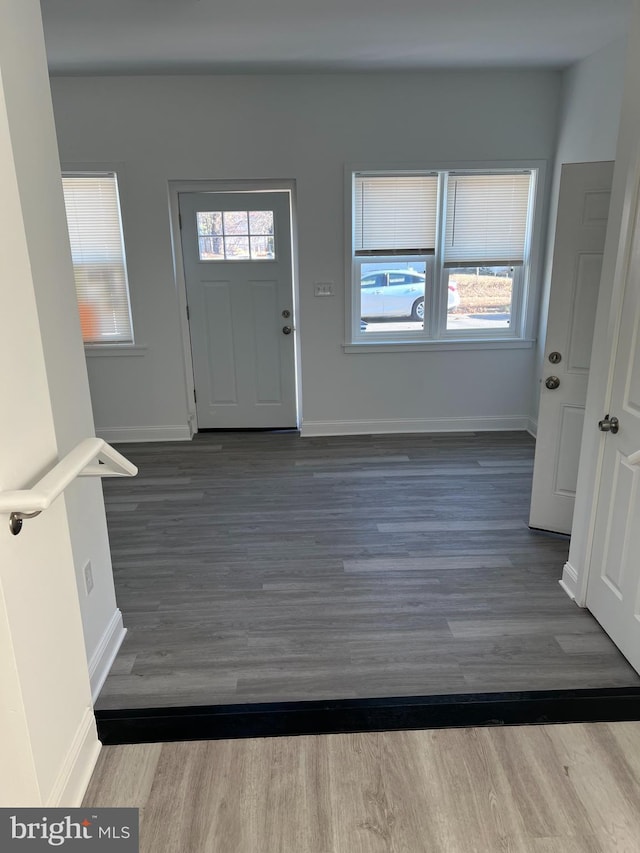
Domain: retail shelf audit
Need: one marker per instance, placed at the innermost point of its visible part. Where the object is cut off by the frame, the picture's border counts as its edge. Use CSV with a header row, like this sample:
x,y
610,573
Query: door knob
x,y
552,382
286,330
611,425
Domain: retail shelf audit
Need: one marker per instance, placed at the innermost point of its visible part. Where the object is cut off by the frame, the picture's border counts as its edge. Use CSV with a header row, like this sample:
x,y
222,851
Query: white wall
x,y
304,128
591,104
48,740
42,204
588,132
69,388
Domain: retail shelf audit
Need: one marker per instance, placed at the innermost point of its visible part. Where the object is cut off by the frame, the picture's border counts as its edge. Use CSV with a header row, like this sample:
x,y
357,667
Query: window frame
x,y
104,170
435,334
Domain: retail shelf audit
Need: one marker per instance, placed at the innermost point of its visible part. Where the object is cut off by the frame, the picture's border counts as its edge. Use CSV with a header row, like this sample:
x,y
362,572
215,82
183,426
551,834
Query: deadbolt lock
x,y
286,314
552,382
555,357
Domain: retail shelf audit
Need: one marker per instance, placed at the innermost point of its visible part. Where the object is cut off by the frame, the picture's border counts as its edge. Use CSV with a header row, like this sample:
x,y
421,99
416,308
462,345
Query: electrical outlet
x,y
88,577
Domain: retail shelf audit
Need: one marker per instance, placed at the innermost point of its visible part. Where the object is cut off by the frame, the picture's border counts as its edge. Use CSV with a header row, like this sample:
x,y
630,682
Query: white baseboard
x,y
569,582
311,428
532,427
116,435
72,781
105,653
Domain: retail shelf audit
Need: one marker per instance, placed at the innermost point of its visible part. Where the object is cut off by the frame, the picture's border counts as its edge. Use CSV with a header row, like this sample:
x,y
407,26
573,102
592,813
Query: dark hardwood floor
x,y
259,567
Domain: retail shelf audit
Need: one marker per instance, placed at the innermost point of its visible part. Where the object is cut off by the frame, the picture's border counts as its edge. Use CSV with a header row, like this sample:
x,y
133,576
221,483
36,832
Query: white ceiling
x,y
193,36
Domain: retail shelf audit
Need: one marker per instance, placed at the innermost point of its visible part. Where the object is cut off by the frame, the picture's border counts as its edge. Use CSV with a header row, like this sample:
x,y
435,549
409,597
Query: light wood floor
x,y
265,567
546,789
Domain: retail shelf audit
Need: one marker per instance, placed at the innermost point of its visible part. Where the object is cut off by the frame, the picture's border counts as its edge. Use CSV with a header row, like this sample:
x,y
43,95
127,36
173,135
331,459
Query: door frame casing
x,y
229,186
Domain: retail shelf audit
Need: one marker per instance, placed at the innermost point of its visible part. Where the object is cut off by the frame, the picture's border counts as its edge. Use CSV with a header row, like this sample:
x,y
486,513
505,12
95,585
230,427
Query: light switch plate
x,y
323,288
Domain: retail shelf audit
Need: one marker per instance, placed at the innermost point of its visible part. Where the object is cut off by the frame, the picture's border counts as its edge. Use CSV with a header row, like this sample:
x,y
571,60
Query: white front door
x,y
613,594
238,270
585,190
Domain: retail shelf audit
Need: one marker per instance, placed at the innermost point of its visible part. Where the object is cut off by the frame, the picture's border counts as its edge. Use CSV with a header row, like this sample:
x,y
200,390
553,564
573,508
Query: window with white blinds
x,y
486,220
442,254
97,250
395,214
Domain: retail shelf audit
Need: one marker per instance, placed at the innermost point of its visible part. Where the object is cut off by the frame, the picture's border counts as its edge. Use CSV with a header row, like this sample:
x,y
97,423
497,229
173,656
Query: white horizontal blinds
x,y
97,249
395,214
486,219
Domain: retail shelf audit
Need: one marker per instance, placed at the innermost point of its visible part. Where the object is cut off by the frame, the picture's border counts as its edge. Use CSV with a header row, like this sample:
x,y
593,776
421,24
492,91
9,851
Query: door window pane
x,y
210,222
261,222
236,235
211,248
235,222
236,248
262,248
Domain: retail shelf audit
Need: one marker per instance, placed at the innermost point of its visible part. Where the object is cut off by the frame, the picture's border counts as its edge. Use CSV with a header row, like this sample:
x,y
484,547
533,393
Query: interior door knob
x,y
286,330
552,382
609,425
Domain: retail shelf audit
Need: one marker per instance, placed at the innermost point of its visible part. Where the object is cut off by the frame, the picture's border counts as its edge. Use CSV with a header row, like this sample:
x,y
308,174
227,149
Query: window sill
x,y
102,350
423,346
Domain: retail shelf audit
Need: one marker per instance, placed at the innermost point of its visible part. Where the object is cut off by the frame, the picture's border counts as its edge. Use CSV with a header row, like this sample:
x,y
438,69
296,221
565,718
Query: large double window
x,y
440,255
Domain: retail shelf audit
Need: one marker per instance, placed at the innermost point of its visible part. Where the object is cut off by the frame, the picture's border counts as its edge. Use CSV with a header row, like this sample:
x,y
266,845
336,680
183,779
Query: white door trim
x,y
216,186
624,198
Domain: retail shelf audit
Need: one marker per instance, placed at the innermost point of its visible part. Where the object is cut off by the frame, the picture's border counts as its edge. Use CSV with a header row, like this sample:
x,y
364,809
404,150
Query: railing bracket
x,y
16,519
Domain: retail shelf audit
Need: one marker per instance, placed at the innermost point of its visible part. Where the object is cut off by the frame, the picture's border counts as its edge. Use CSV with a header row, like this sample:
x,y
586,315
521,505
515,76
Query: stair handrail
x,y
92,457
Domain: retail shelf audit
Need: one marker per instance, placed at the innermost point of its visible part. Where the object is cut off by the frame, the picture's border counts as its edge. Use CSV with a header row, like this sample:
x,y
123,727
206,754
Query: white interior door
x,y
238,269
613,594
585,191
